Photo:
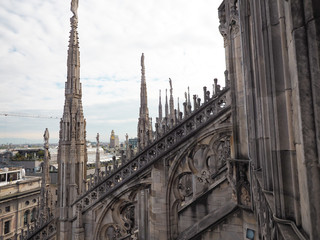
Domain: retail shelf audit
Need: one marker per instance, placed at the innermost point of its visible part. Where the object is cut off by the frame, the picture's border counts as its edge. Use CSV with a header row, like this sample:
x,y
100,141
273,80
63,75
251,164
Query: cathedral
x,y
241,162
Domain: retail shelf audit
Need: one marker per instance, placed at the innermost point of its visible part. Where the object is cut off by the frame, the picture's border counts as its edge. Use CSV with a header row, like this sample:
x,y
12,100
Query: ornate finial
x,y
74,7
170,82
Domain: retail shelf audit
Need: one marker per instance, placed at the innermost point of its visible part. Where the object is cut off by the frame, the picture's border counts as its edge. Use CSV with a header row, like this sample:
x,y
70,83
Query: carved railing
x,y
42,230
212,108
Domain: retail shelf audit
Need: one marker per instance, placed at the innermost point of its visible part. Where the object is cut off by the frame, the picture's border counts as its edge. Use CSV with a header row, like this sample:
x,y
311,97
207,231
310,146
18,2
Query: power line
x,y
27,116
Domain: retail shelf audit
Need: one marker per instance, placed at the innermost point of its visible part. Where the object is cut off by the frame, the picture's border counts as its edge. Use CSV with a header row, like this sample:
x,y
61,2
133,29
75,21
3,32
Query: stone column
x,y
158,209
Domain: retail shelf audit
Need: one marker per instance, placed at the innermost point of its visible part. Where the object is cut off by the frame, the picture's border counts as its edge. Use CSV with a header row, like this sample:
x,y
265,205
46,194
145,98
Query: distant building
x,y
5,156
31,160
19,201
114,140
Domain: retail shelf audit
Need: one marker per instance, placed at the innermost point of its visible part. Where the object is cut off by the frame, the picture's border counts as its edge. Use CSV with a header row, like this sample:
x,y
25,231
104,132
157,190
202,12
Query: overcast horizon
x,y
180,41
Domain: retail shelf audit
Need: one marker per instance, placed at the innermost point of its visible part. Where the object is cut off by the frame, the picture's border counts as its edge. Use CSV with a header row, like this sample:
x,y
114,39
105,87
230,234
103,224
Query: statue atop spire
x,y
142,61
74,7
46,138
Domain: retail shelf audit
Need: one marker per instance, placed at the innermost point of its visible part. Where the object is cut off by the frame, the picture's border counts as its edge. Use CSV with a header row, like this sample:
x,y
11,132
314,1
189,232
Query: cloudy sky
x,y
180,40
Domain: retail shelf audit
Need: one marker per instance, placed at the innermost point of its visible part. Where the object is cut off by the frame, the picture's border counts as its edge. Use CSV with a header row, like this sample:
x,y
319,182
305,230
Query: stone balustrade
x,y
163,143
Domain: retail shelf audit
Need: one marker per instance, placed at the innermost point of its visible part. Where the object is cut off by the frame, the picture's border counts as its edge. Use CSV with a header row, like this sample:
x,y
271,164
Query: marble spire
x,y
128,150
171,103
143,90
97,165
189,102
72,152
160,107
145,133
166,107
45,202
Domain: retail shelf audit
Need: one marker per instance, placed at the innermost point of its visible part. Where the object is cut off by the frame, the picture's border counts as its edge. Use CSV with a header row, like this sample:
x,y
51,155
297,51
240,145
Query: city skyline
x,y
179,40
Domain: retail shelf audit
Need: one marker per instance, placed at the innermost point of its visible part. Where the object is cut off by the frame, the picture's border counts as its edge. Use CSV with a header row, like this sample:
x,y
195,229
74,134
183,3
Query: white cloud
x,y
180,40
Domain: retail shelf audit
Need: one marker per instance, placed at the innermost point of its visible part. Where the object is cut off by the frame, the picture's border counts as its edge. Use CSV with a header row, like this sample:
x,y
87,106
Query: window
x,y
12,176
7,208
27,203
26,217
33,215
250,234
6,227
34,200
2,177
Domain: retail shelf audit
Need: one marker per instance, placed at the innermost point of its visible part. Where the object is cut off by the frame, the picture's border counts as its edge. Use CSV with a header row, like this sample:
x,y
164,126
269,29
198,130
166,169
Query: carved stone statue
x,y
46,137
142,60
74,7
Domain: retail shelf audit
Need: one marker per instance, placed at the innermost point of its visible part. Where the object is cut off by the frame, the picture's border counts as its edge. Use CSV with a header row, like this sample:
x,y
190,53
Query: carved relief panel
x,y
194,173
119,219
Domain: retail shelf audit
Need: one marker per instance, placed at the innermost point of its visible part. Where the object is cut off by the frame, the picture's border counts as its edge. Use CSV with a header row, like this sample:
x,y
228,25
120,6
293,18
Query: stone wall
x,y
273,56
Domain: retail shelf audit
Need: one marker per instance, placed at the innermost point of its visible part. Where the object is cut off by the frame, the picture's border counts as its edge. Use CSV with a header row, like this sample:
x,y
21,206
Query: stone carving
x,y
74,7
245,196
79,216
204,177
234,18
185,186
127,214
46,138
123,223
223,27
112,232
223,151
